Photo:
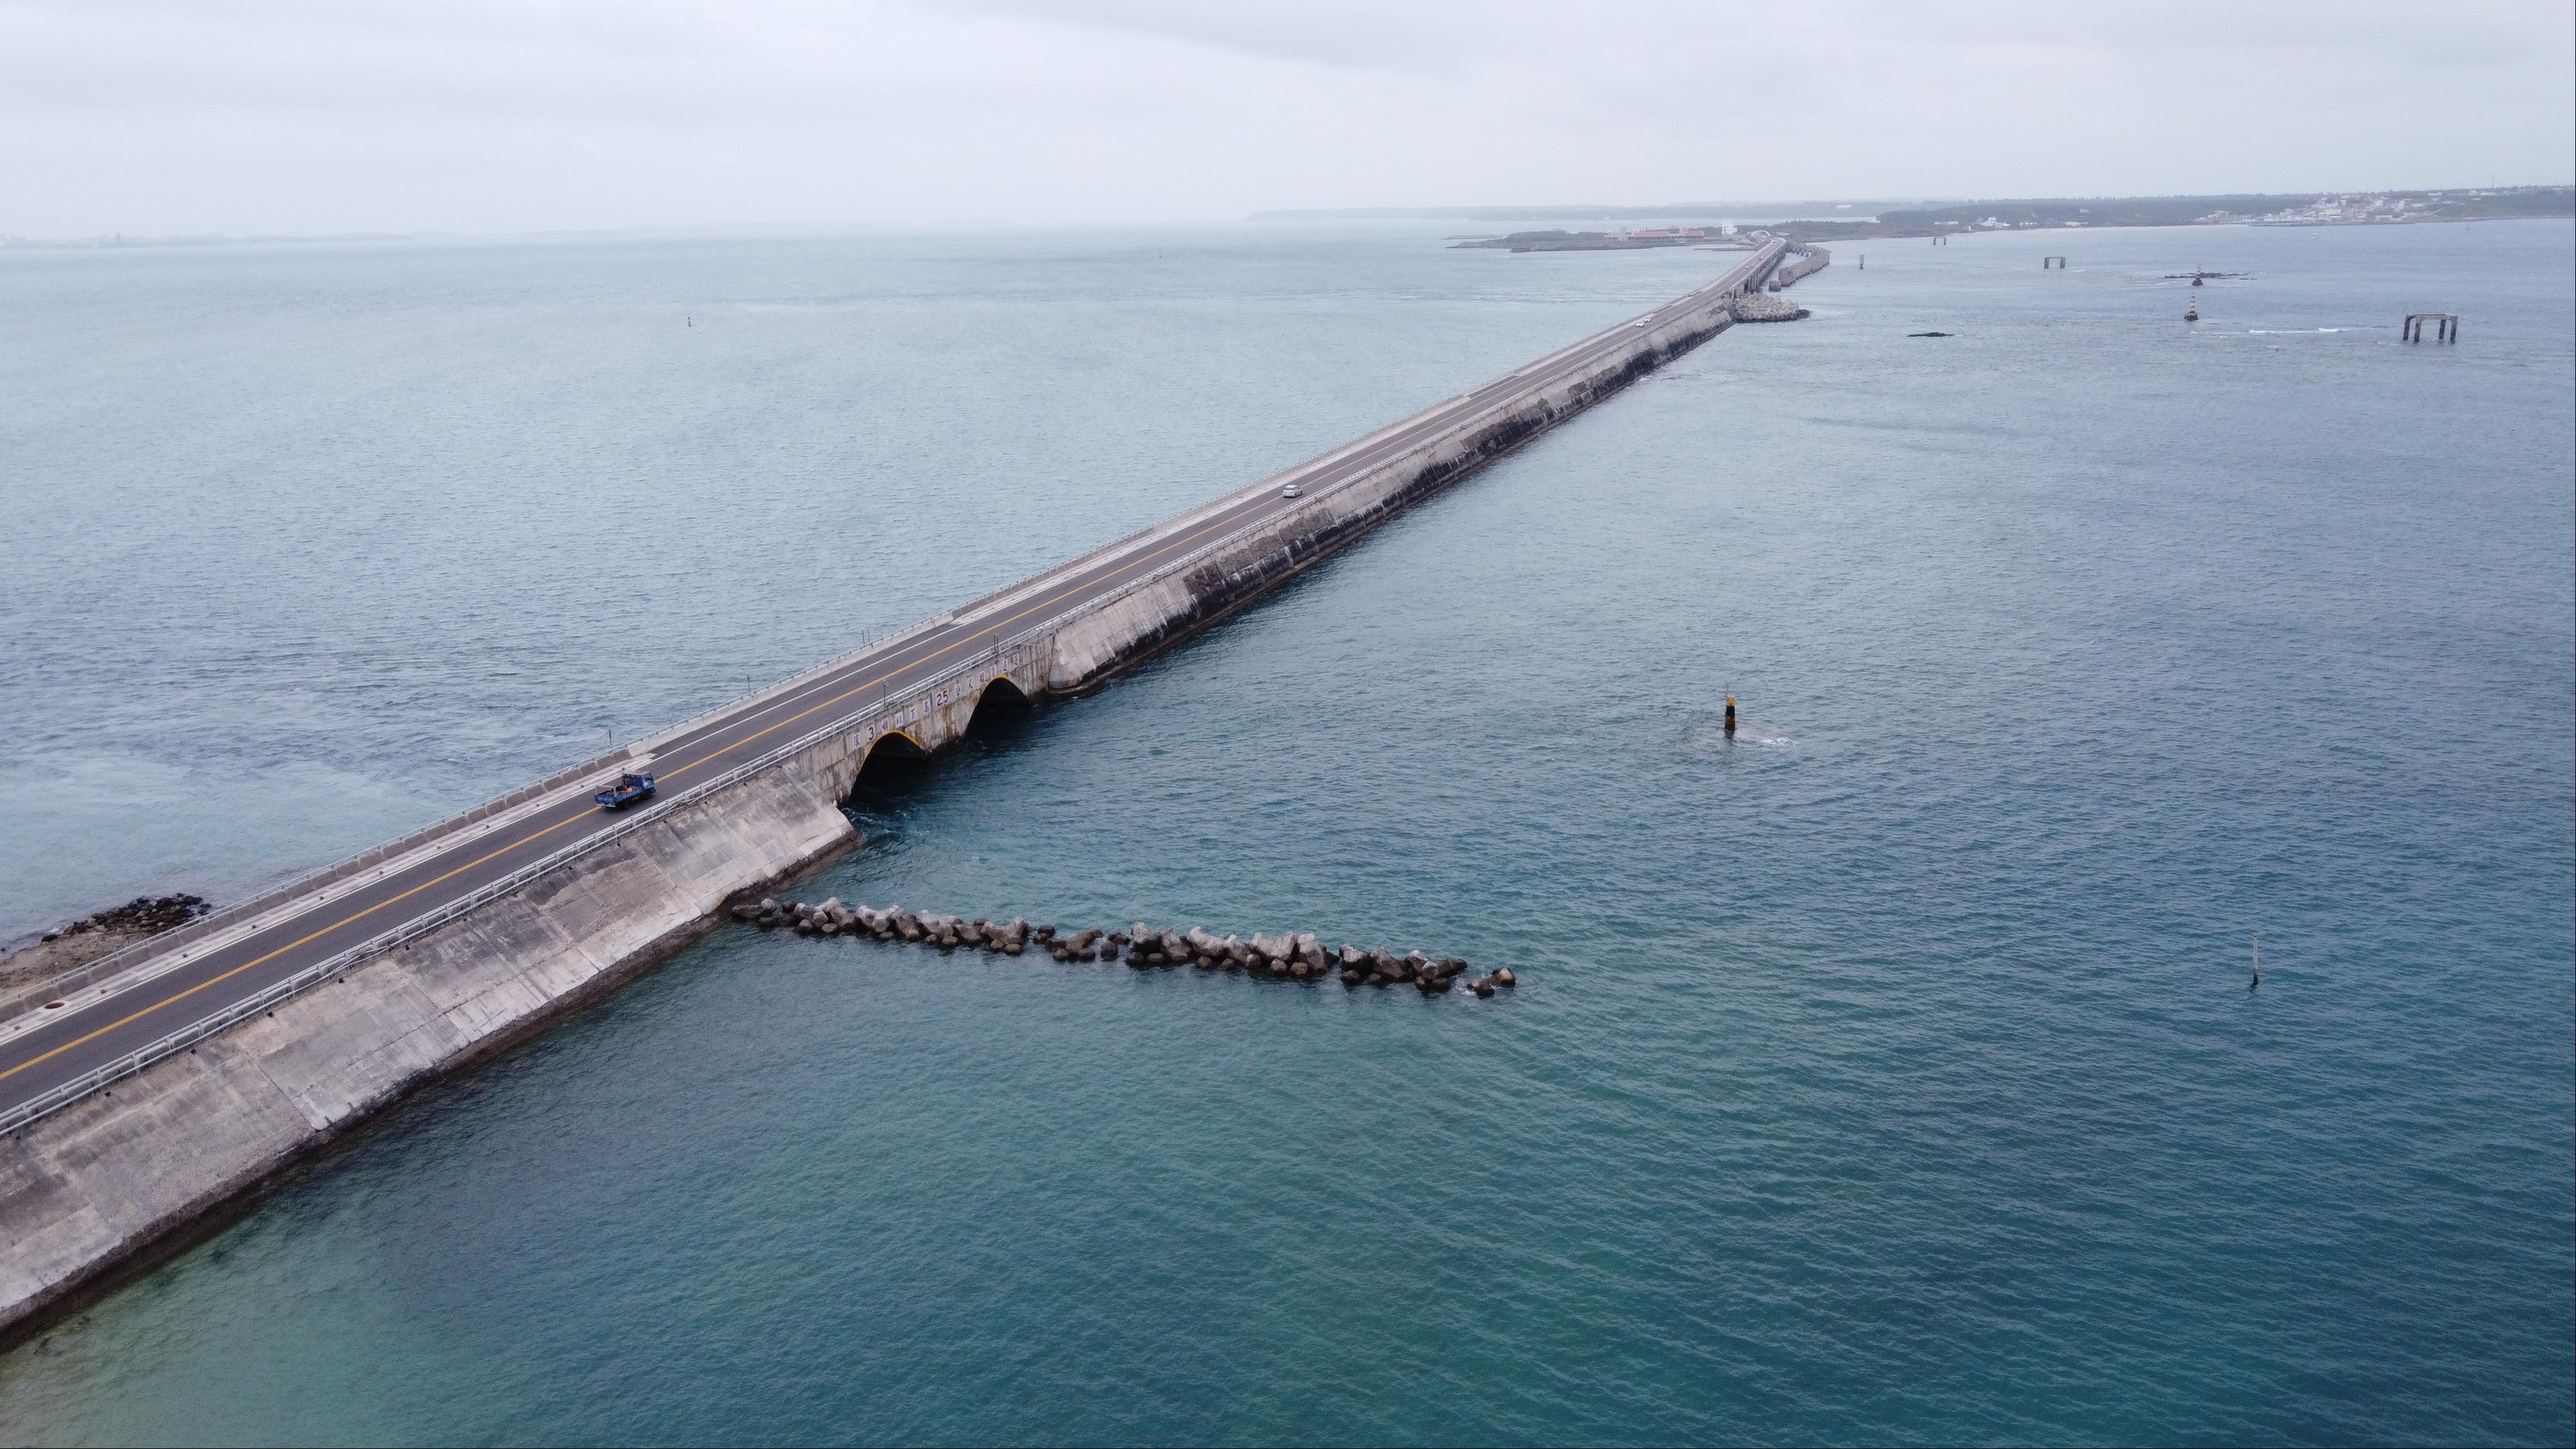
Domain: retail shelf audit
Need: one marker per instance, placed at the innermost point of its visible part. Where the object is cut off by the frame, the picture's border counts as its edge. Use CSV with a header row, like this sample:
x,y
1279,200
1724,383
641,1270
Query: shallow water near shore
x,y
1887,1072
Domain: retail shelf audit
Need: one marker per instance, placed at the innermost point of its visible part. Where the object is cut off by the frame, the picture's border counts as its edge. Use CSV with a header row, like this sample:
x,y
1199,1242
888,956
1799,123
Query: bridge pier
x,y
2446,326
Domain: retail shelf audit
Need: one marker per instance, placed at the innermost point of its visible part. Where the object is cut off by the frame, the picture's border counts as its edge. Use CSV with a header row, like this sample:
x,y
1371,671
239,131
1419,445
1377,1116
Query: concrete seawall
x,y
133,1168
1116,636
139,1164
1809,261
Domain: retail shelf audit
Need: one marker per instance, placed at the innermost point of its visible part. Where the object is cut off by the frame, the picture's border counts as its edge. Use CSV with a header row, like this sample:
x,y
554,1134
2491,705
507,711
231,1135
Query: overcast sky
x,y
326,116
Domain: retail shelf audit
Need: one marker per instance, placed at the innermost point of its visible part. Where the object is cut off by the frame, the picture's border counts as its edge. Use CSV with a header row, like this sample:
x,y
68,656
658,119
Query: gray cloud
x,y
295,115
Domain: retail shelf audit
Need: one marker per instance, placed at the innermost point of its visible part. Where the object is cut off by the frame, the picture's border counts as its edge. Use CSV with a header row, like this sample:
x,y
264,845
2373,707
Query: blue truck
x,y
627,790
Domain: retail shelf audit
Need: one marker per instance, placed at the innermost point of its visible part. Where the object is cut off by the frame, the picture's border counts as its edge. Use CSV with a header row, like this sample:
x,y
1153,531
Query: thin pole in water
x,y
2258,962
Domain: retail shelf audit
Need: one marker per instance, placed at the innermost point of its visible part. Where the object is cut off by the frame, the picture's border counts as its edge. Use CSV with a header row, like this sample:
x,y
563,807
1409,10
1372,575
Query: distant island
x,y
1726,238
1695,210
1706,224
2376,208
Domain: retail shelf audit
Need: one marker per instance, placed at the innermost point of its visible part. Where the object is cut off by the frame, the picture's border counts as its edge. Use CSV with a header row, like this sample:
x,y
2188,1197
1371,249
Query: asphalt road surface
x,y
77,1039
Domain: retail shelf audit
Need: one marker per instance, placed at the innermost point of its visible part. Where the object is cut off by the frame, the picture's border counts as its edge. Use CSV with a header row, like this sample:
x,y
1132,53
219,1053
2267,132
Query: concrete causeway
x,y
181,1077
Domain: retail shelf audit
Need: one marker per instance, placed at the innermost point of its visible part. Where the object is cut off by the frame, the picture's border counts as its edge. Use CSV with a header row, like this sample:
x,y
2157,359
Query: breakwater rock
x,y
149,914
93,936
1763,307
1275,956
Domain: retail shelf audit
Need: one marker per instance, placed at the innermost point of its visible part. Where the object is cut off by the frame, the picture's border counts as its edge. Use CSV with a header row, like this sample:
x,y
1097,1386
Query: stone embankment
x,y
1279,956
96,935
143,913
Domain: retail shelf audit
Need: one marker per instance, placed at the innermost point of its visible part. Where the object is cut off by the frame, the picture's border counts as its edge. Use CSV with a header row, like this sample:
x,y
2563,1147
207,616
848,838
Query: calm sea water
x,y
1887,1073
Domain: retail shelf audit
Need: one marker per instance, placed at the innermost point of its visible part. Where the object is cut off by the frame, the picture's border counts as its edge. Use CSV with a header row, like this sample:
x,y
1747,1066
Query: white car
x,y
1292,491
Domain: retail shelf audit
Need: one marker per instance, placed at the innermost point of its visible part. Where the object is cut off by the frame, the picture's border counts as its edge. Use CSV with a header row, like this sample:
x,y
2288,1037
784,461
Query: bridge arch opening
x,y
894,763
897,764
1001,709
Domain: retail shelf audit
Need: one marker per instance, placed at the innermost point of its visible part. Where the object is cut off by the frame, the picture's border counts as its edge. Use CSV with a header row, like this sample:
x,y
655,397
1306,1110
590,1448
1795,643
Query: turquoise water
x,y
1889,1072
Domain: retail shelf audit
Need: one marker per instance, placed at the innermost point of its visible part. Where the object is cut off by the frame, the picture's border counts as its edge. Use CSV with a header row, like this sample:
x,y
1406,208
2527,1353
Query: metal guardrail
x,y
19,1001
137,952
875,716
1198,555
267,998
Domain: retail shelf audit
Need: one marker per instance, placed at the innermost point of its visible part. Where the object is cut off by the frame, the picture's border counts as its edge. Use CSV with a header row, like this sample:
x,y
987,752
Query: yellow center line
x,y
289,946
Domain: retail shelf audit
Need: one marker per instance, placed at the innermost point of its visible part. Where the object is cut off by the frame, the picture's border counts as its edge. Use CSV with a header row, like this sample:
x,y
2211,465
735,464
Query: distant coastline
x,y
1554,228
1724,239
1689,224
